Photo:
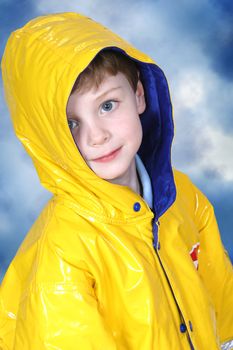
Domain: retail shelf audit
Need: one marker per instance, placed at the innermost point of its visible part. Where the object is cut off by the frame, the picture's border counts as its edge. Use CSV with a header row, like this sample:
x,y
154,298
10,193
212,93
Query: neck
x,y
129,179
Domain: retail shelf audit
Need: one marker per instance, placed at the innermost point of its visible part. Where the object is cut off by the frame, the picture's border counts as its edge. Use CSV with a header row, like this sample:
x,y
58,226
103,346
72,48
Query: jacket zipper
x,y
156,246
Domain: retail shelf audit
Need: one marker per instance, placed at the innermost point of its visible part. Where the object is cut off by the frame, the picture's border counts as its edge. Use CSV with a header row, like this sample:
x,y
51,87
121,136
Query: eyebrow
x,y
107,92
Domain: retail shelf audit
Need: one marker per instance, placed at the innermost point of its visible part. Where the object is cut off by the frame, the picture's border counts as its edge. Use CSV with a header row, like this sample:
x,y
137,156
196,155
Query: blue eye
x,y
107,106
72,124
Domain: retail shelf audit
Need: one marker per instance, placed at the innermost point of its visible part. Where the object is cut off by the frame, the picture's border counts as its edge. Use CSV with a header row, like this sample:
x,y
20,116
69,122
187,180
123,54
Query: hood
x,y
40,65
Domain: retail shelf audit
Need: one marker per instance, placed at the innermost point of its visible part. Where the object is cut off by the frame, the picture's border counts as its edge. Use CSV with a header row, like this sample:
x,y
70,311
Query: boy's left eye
x,y
108,106
72,124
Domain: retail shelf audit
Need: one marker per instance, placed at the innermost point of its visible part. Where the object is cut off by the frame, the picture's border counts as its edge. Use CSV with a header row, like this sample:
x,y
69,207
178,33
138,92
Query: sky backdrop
x,y
192,41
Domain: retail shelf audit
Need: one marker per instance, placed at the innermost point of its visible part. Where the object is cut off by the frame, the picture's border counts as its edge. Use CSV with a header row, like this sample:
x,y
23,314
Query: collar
x,y
145,181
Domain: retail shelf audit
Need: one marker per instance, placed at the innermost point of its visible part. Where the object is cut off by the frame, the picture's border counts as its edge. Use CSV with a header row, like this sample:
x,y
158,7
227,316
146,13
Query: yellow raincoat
x,y
93,273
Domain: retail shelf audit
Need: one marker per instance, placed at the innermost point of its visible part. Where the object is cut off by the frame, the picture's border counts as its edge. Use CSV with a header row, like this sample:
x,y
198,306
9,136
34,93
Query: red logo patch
x,y
194,254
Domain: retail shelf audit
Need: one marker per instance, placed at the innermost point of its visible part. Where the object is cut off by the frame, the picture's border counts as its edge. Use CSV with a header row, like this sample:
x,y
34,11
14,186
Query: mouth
x,y
108,157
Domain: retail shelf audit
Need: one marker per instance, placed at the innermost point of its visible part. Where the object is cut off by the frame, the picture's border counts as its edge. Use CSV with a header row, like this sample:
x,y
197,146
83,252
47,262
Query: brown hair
x,y
106,62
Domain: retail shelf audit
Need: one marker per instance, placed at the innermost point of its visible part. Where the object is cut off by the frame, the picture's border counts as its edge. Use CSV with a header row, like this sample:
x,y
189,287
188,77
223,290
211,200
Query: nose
x,y
98,135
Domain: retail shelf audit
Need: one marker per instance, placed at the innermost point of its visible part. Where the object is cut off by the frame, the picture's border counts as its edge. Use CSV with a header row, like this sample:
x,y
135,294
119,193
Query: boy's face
x,y
106,127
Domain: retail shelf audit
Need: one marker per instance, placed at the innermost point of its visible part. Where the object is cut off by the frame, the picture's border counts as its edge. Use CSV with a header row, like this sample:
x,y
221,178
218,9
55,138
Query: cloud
x,y
218,156
216,159
6,224
204,127
219,40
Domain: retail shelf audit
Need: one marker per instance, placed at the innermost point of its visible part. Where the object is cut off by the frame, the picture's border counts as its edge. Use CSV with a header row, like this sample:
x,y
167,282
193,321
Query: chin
x,y
113,177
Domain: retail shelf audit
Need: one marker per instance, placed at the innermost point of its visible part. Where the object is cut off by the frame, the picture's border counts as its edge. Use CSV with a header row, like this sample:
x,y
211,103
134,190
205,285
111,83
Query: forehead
x,y
109,81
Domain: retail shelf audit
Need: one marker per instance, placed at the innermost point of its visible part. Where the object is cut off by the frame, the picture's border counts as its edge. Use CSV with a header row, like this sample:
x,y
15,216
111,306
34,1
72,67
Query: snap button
x,y
190,326
136,206
183,328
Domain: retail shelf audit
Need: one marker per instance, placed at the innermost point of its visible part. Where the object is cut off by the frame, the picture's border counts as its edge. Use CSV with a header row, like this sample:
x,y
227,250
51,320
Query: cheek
x,y
79,142
139,135
132,133
135,131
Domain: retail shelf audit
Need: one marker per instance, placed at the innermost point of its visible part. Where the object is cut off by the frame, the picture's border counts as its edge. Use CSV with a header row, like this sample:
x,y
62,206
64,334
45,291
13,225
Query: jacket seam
x,y
104,219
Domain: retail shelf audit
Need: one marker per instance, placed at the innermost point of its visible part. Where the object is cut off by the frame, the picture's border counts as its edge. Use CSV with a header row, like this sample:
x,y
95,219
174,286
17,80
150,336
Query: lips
x,y
108,157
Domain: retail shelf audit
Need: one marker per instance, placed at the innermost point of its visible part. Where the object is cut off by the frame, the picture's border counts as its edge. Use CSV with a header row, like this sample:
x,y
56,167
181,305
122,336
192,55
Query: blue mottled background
x,y
192,41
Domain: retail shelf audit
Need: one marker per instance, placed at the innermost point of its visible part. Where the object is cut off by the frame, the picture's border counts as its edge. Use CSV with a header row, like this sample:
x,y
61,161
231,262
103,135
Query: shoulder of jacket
x,y
185,185
57,245
189,194
181,178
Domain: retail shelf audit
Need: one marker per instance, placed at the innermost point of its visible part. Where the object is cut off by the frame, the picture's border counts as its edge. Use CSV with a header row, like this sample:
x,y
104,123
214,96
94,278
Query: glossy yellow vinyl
x,y
87,275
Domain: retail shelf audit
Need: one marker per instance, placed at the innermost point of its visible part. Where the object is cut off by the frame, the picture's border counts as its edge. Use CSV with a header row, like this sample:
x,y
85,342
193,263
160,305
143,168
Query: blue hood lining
x,y
158,132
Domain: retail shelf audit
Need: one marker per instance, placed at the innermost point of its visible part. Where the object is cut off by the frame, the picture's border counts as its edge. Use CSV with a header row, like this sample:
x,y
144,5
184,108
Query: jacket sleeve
x,y
62,317
215,268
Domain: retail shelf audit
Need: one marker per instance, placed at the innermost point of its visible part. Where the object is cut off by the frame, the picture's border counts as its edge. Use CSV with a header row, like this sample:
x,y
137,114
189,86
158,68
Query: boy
x,y
127,254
